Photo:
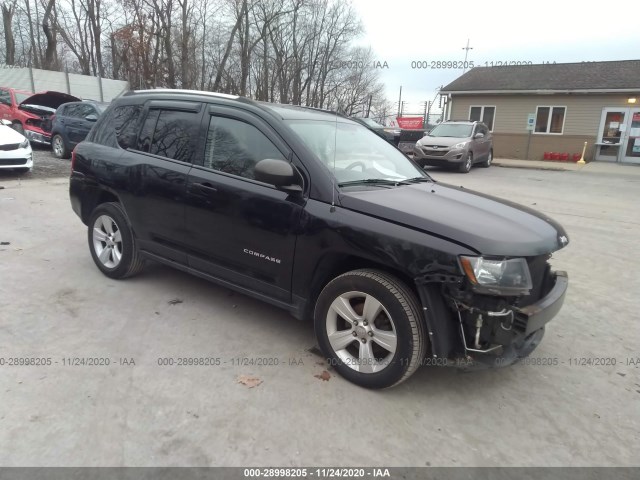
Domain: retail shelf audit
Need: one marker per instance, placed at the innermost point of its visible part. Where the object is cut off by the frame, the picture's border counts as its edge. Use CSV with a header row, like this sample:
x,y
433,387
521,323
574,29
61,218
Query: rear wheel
x,y
58,147
368,324
111,241
487,162
465,167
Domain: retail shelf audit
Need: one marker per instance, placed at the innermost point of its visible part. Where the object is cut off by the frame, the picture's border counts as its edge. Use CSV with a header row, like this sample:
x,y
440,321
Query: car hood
x,y
49,99
8,136
443,141
486,224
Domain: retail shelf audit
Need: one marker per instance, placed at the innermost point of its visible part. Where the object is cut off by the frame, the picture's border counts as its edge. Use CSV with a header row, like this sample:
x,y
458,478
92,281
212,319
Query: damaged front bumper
x,y
486,338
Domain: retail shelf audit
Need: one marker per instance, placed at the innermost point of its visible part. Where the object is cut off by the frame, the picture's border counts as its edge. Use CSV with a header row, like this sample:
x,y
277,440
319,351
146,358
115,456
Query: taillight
x,y
73,158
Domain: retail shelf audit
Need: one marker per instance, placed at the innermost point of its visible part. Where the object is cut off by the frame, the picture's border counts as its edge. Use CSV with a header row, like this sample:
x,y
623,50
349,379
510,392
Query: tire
x,y
487,163
389,342
59,147
17,126
112,243
465,167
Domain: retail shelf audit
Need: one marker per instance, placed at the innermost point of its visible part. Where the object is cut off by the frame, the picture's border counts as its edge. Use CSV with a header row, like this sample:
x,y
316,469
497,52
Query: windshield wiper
x,y
419,180
372,181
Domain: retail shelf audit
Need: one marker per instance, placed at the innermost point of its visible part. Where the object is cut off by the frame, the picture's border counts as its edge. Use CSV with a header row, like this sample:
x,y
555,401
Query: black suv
x,y
71,124
308,211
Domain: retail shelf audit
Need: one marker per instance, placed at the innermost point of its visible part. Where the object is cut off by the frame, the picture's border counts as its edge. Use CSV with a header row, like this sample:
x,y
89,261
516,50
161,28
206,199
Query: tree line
x,y
300,52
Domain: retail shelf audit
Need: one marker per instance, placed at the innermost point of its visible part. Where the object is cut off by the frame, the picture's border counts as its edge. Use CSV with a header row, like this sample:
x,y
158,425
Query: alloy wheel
x,y
361,332
58,148
107,241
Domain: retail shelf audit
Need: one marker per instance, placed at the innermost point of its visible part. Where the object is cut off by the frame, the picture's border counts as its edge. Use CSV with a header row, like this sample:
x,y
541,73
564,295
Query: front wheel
x,y
368,324
111,242
465,167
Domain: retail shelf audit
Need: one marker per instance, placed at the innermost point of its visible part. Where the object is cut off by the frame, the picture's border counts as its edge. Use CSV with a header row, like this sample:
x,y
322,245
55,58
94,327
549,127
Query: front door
x,y
241,230
631,138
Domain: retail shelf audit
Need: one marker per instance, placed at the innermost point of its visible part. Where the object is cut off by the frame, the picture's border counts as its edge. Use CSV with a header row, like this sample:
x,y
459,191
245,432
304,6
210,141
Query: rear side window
x,y
235,147
170,133
125,124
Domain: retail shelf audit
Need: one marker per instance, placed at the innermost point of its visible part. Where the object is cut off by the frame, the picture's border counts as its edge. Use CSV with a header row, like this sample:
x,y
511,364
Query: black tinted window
x,y
235,147
146,133
85,109
72,110
176,135
125,121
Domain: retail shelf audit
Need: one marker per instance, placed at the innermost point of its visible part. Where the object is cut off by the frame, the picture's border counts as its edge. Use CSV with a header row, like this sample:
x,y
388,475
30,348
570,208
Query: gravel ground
x,y
45,165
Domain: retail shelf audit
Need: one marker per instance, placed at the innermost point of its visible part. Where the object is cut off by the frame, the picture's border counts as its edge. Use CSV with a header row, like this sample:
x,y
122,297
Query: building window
x,y
550,120
482,114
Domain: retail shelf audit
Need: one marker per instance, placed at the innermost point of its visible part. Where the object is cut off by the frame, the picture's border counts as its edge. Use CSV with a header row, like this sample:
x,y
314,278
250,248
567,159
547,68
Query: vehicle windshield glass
x,y
101,107
457,130
354,153
21,97
371,123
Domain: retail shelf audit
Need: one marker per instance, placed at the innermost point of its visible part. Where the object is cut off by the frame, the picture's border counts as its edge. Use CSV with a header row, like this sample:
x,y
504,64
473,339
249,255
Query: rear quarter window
x,y
118,126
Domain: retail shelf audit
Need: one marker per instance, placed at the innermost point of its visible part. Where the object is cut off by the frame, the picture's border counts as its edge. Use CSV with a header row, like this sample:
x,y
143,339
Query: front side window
x,y
235,147
483,114
550,119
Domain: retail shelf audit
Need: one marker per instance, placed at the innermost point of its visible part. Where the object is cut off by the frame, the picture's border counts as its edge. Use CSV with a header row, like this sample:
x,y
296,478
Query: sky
x,y
404,31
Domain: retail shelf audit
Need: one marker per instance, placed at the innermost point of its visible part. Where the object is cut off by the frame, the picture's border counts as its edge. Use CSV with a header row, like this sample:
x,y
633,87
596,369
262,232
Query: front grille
x,y
6,162
435,153
11,146
437,146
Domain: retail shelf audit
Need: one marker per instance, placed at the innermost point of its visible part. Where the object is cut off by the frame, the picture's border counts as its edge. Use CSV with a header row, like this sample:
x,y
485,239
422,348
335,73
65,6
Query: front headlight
x,y
460,145
498,277
24,144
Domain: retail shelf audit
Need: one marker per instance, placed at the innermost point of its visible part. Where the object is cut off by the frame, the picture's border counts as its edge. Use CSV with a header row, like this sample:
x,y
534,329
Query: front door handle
x,y
204,187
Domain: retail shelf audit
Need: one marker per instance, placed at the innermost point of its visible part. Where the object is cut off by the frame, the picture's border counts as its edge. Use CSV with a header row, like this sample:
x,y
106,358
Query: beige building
x,y
554,108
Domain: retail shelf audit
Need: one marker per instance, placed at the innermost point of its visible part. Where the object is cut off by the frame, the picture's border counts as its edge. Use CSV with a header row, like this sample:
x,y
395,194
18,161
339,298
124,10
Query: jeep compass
x,y
314,213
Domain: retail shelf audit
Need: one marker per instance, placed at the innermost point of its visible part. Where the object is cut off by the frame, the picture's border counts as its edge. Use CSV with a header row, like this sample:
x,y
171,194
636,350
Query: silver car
x,y
459,144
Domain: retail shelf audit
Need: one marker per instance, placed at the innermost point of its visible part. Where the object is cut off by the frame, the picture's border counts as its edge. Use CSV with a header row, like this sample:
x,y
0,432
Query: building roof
x,y
623,75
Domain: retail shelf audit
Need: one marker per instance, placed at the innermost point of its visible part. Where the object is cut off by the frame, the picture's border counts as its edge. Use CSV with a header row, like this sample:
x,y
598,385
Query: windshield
x,y
371,123
21,97
101,107
353,153
456,130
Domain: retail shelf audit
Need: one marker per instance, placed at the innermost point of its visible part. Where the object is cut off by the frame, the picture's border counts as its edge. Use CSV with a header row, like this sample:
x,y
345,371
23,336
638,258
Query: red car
x,y
30,114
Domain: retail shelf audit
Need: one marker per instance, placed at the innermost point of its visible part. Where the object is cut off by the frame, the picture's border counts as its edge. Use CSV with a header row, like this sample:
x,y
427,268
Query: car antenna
x,y
333,179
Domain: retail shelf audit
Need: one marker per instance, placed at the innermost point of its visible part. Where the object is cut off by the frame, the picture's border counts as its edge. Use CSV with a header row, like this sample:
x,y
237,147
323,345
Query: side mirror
x,y
5,122
479,135
278,173
91,118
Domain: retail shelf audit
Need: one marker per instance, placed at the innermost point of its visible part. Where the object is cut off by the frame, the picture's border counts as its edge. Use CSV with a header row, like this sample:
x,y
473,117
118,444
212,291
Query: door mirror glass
x,y
276,172
91,118
478,135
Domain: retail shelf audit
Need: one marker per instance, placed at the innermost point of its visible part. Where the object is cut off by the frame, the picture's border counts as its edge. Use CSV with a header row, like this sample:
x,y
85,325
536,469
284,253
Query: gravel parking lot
x,y
574,403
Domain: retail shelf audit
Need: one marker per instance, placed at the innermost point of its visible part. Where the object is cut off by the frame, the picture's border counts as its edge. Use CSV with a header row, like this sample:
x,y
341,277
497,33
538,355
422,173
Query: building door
x,y
631,138
610,136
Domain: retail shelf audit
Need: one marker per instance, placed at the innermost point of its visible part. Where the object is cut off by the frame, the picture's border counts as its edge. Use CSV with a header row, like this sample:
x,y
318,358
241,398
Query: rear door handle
x,y
204,187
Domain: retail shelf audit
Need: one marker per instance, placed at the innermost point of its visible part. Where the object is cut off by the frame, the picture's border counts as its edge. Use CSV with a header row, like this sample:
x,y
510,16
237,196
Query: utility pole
x,y
400,101
369,105
466,53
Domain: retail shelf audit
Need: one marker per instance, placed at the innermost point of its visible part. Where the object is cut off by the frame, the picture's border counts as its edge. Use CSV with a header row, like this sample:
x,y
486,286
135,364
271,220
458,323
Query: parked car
x,y
71,124
390,134
29,113
459,144
310,212
15,150
408,138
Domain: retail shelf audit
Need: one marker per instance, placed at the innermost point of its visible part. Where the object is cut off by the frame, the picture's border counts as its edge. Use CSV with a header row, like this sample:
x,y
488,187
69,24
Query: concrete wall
x,y
582,120
83,86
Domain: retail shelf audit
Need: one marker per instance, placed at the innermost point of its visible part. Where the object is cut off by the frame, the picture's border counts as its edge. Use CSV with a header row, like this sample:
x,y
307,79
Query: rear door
x,y
158,163
241,230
